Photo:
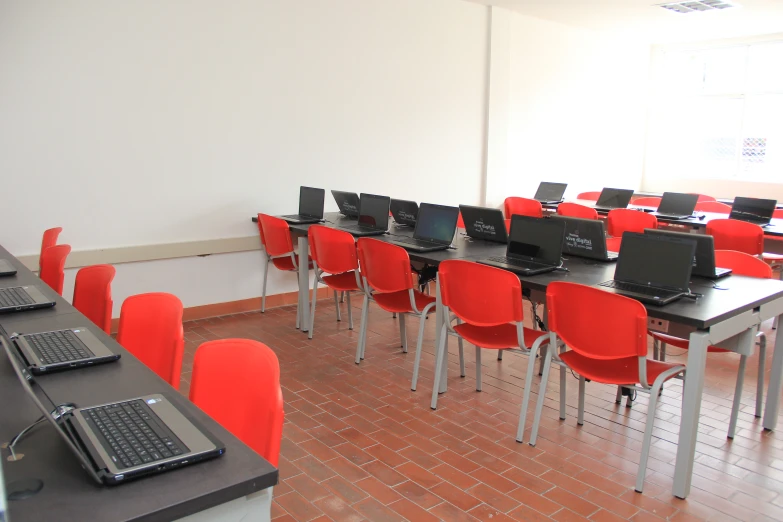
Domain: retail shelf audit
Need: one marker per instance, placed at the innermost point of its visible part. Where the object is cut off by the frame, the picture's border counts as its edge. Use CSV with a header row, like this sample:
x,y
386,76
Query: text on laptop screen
x,y
655,261
550,191
584,235
537,238
347,201
436,223
311,202
374,211
753,209
676,203
614,198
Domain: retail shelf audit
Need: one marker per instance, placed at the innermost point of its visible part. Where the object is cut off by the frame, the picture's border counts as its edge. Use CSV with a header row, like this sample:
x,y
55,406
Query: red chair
x,y
336,265
388,280
589,196
740,264
621,220
576,210
49,240
486,304
151,329
714,207
777,214
237,383
733,234
92,294
523,207
53,266
460,221
646,202
703,198
615,355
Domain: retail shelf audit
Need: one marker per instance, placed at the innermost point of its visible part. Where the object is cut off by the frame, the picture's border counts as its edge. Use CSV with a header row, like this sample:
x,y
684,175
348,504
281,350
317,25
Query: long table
x,y
228,488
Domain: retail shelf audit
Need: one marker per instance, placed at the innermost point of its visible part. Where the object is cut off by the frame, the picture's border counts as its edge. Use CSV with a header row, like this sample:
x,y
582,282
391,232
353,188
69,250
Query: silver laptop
x,y
47,352
21,298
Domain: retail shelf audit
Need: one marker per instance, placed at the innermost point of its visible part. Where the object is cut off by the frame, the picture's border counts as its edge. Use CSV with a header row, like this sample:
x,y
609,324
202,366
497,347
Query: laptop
x,y
653,269
6,268
484,223
612,198
47,352
434,231
704,259
550,193
311,207
347,202
404,212
754,210
20,298
122,441
535,246
676,205
373,216
585,238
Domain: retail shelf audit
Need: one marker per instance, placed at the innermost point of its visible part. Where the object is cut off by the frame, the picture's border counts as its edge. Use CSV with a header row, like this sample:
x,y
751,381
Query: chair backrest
x,y
522,207
621,220
237,383
479,294
733,234
49,239
92,294
386,267
460,221
334,250
53,266
577,314
576,210
261,231
704,198
276,235
646,201
589,196
151,329
713,206
743,264
777,213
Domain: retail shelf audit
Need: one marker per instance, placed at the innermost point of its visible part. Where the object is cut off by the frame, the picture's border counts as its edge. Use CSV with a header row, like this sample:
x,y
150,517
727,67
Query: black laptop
x,y
704,259
121,441
21,298
585,238
48,352
653,269
373,216
311,207
404,212
535,246
347,202
612,198
676,205
550,193
435,229
753,210
6,268
484,223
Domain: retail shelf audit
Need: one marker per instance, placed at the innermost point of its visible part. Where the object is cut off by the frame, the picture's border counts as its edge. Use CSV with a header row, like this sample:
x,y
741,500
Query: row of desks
x,y
221,485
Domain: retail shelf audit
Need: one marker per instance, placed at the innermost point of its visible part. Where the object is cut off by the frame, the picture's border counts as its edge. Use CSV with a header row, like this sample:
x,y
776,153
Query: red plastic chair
x,y
523,207
777,214
589,196
486,304
49,240
92,294
576,210
151,329
237,383
714,207
336,265
53,266
705,198
646,202
733,234
745,265
614,355
388,280
621,220
460,221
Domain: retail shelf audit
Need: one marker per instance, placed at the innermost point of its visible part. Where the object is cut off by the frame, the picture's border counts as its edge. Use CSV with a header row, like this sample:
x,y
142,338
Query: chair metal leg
x,y
394,315
417,360
581,414
562,392
350,310
541,393
619,397
762,370
403,334
342,296
263,287
478,368
737,396
439,362
500,355
312,309
647,436
362,330
461,358
337,306
655,349
531,368
662,352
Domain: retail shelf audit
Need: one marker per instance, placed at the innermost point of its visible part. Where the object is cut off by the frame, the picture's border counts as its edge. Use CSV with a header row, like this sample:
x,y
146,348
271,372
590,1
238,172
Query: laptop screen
x,y
347,202
484,223
676,203
405,212
753,209
536,239
436,223
649,260
614,198
703,259
311,202
550,191
584,237
374,211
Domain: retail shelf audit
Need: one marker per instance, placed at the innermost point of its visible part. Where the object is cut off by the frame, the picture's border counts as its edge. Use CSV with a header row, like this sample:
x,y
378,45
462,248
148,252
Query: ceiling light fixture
x,y
695,6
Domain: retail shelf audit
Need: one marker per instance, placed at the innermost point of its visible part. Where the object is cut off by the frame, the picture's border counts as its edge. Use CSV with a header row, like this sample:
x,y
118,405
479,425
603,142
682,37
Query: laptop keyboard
x,y
14,297
58,347
132,434
638,289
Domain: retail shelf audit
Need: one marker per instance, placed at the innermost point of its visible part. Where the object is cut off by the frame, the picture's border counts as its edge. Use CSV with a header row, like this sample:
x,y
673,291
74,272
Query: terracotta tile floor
x,y
359,445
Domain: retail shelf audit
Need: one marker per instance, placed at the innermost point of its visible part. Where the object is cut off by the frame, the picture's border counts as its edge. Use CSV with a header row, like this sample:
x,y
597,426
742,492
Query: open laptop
x,y
20,298
704,259
585,238
404,212
347,202
47,352
535,246
373,216
6,268
484,223
753,210
435,229
653,269
311,207
550,193
125,440
676,205
612,198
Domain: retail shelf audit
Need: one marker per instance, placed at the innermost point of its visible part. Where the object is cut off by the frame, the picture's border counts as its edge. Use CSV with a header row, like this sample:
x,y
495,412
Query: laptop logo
x,y
481,228
407,215
153,401
349,207
575,241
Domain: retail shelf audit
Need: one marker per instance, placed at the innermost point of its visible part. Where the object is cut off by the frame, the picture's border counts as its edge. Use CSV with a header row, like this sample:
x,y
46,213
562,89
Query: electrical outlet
x,y
659,325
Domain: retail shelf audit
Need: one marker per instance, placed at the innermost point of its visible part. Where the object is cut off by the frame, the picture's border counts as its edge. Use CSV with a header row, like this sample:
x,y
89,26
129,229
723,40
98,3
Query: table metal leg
x,y
775,386
304,282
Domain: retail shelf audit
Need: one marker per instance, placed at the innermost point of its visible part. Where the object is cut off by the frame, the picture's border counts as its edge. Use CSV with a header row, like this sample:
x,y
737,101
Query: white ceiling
x,y
644,19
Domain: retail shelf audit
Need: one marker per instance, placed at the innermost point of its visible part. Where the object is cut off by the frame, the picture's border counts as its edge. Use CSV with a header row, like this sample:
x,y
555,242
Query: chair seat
x,y
679,342
345,282
614,371
287,265
400,302
496,337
